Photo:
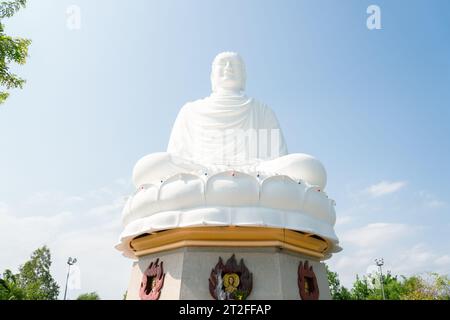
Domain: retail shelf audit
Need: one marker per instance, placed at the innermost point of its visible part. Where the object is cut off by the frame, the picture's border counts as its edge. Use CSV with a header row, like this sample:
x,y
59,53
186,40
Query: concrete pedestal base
x,y
187,270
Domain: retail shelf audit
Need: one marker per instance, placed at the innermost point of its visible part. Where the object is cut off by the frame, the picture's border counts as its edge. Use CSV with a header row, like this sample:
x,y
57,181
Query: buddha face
x,y
228,73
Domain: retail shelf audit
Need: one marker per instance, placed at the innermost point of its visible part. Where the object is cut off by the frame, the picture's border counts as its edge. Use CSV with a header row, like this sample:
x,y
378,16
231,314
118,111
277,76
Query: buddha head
x,y
228,73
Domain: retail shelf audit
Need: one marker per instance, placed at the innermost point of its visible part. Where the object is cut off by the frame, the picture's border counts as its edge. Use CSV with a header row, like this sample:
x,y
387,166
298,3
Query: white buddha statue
x,y
228,131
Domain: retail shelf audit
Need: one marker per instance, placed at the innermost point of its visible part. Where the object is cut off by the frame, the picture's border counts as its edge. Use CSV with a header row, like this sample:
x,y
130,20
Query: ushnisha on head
x,y
228,74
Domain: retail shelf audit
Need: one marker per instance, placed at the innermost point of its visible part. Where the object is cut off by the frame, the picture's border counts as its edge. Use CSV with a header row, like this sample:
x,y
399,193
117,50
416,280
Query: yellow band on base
x,y
295,241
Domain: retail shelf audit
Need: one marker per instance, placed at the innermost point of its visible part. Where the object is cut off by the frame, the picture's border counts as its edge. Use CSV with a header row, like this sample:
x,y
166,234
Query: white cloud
x,y
436,204
443,260
421,258
343,220
396,243
431,201
88,232
102,268
384,188
108,209
3,208
376,234
409,246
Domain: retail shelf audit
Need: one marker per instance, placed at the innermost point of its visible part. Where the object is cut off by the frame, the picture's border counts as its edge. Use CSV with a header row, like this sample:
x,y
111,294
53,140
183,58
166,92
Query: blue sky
x,y
372,105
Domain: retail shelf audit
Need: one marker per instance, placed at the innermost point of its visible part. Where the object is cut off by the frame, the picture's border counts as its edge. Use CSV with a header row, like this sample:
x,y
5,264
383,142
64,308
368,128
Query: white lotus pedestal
x,y
229,263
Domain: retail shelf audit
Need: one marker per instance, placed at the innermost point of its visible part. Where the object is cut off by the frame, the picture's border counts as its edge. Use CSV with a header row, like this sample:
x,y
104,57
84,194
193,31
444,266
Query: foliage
x,y
433,287
33,282
369,287
426,287
35,277
89,296
12,49
338,292
361,289
9,287
394,288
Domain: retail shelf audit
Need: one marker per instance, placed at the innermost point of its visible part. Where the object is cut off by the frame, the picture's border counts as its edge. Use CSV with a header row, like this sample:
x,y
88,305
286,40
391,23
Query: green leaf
x,y
12,50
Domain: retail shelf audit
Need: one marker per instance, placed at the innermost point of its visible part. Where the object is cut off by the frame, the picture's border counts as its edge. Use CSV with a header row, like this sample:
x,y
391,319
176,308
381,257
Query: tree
x,y
369,287
394,288
431,287
33,282
12,49
362,289
338,292
10,288
89,296
427,287
35,278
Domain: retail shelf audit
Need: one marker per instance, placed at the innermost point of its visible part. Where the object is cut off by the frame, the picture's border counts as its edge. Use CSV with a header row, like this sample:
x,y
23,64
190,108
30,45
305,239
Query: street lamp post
x,y
380,263
71,261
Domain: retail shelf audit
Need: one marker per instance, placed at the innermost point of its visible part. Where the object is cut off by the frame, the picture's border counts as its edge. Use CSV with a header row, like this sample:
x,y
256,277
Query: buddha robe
x,y
227,130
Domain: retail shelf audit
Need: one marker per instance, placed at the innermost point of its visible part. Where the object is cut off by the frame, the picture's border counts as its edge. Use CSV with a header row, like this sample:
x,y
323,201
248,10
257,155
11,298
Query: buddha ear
x,y
244,79
243,73
213,85
244,76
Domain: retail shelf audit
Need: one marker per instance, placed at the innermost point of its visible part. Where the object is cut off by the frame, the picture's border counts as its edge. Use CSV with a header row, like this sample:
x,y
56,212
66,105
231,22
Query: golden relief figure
x,y
231,282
